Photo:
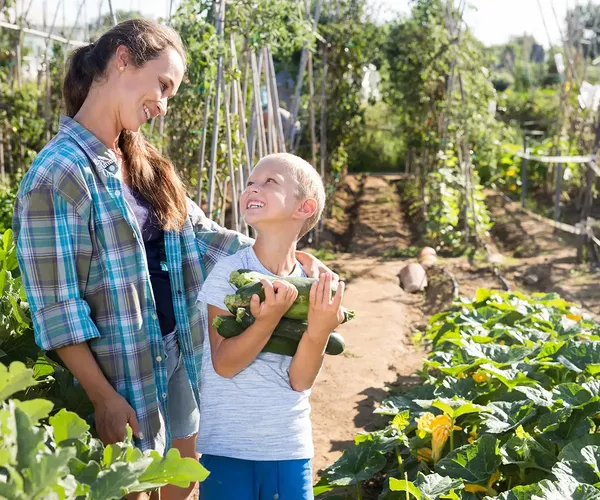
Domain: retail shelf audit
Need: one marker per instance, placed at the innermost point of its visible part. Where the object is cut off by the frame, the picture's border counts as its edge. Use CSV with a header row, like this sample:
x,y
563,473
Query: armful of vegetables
x,y
292,326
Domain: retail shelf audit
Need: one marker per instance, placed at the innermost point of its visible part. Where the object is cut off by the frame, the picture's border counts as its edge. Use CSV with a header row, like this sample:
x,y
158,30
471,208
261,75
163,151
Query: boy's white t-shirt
x,y
255,415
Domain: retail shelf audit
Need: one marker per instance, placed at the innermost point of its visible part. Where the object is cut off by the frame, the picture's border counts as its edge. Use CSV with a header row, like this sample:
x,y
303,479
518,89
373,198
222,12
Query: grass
x,y
323,254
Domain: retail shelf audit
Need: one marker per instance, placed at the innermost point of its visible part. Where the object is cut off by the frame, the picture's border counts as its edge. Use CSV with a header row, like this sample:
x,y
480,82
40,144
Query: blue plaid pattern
x,y
84,269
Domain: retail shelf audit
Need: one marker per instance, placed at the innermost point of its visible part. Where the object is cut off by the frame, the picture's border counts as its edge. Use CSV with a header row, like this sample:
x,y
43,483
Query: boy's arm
x,y
231,356
324,315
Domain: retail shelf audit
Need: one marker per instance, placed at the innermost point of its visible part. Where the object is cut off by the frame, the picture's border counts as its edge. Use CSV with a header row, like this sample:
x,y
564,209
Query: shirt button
x,y
276,496
153,316
159,358
117,193
164,395
141,435
179,292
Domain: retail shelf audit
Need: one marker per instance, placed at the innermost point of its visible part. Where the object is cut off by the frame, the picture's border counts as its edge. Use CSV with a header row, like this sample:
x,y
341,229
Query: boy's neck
x,y
276,251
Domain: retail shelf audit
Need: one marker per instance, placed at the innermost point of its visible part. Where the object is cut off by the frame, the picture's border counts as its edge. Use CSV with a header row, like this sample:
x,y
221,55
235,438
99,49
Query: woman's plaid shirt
x,y
85,273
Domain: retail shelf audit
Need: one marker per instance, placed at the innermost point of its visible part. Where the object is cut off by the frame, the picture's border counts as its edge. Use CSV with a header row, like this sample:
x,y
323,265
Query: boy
x,y
255,432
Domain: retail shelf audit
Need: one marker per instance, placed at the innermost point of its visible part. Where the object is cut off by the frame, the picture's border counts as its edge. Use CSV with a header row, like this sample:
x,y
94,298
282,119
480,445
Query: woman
x,y
112,252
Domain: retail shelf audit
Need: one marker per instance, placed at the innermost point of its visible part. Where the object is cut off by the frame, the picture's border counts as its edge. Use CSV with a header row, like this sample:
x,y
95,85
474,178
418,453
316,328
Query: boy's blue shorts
x,y
234,479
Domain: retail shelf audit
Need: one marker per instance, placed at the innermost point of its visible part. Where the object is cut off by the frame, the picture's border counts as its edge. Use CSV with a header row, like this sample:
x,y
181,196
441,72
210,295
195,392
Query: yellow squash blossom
x,y
478,488
472,437
424,423
511,172
462,375
480,377
441,427
574,317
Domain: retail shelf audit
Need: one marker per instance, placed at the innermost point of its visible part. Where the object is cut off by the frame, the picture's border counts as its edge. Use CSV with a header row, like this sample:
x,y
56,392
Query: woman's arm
x,y
231,356
54,248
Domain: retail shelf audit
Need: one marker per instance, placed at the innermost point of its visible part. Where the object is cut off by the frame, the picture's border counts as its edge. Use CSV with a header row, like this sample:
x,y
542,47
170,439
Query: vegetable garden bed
x,y
508,406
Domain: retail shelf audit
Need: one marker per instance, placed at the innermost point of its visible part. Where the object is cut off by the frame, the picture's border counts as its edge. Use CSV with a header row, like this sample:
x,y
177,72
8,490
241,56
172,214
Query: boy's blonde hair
x,y
310,184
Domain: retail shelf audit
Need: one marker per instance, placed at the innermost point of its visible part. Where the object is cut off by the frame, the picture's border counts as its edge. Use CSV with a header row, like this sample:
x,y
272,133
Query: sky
x,y
492,21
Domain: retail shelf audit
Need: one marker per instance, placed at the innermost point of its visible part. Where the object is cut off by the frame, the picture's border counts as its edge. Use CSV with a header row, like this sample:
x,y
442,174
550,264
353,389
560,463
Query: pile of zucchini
x,y
291,327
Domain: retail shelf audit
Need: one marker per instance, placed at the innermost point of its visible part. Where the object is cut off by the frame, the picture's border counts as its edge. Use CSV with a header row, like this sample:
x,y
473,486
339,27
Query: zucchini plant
x,y
509,407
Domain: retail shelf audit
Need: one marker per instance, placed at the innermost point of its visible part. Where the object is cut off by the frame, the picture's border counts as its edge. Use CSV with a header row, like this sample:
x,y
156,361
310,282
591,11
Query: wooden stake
x,y
2,169
275,95
201,151
271,142
559,176
234,198
215,134
311,112
524,173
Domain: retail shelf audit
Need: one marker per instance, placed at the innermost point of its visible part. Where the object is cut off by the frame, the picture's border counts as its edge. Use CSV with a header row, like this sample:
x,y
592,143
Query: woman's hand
x,y
313,267
111,415
279,297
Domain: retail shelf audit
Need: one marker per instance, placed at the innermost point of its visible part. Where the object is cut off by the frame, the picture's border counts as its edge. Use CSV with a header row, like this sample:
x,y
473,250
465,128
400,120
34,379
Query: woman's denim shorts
x,y
184,415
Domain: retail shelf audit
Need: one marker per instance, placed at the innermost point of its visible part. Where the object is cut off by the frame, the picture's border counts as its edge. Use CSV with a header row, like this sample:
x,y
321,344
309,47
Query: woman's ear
x,y
307,209
122,58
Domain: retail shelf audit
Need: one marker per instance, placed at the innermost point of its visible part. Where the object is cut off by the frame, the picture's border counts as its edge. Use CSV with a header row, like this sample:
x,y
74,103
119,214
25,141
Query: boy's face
x,y
270,195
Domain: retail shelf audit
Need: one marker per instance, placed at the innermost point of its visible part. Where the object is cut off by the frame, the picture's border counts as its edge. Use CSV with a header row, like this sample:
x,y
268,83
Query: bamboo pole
x,y
234,194
275,95
559,176
215,134
323,124
524,172
271,144
202,149
303,59
241,110
311,112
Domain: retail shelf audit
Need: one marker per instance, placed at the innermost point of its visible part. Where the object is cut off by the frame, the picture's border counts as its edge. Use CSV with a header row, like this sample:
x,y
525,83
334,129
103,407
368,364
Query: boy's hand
x,y
279,296
324,312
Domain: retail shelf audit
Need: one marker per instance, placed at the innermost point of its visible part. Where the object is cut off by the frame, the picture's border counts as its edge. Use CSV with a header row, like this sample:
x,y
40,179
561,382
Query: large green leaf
x,y
17,377
584,356
527,452
35,409
355,465
572,451
474,463
566,490
433,486
510,377
404,486
116,481
172,469
505,415
29,439
45,472
537,394
519,493
396,404
455,408
573,395
585,472
67,426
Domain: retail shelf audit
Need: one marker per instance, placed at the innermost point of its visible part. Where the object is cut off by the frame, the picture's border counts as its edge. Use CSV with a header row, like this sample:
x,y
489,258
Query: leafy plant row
x,y
508,407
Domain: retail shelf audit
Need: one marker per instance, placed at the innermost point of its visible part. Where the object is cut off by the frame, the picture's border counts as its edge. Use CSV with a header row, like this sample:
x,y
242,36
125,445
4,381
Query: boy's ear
x,y
307,208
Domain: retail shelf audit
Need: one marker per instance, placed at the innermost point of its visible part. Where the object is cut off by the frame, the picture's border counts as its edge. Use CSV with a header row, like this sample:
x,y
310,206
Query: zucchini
x,y
298,310
290,329
243,277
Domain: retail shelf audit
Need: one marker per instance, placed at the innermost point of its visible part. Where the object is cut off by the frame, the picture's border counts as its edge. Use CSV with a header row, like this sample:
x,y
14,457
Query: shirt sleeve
x,y
214,242
54,251
217,286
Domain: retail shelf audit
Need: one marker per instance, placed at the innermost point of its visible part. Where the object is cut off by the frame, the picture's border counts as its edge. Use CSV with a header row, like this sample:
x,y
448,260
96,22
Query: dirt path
x,y
378,350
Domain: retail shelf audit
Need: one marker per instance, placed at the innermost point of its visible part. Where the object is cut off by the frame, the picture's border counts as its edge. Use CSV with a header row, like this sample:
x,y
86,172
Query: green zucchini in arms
x,y
243,277
298,310
289,329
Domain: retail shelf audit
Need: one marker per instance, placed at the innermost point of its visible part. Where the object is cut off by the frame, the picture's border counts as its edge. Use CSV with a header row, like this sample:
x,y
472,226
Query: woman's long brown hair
x,y
149,172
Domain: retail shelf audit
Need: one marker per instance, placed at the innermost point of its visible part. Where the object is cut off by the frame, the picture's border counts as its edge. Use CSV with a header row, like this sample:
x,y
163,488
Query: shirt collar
x,y
102,157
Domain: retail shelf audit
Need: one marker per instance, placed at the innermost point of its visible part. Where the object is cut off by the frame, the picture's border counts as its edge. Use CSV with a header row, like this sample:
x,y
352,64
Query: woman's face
x,y
144,91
